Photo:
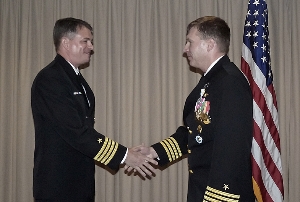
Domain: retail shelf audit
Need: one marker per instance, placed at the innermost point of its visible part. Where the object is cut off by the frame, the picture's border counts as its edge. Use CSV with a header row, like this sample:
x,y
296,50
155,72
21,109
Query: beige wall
x,y
140,81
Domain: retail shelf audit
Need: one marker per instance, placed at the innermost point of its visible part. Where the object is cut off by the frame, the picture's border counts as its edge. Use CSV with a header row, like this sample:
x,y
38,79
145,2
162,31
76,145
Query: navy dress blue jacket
x,y
216,135
66,143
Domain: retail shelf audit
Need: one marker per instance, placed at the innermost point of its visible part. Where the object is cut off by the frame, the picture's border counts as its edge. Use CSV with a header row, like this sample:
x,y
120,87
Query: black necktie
x,y
83,87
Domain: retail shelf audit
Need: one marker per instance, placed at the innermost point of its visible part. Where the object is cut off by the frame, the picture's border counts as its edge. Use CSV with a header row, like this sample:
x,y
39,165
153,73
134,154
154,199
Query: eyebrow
x,y
188,39
87,38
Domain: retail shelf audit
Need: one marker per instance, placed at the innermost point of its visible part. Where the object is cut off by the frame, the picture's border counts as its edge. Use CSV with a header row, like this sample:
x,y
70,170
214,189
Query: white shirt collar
x,y
75,68
212,64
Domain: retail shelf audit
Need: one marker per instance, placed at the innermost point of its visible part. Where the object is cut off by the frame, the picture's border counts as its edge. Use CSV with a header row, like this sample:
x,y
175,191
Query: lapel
x,y
88,91
215,70
68,69
192,98
74,78
208,78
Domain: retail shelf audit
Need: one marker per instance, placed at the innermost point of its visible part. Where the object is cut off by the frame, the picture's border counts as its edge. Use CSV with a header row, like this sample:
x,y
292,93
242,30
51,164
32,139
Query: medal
x,y
199,139
202,109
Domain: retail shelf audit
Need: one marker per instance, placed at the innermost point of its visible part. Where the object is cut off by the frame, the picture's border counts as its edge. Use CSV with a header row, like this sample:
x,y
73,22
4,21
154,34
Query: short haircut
x,y
215,28
67,27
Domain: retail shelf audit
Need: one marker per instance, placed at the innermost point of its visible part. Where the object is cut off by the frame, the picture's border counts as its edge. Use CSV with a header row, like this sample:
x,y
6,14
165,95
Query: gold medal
x,y
199,128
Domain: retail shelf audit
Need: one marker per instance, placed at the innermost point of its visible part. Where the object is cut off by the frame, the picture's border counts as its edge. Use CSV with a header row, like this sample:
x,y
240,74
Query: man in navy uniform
x,y
63,107
217,116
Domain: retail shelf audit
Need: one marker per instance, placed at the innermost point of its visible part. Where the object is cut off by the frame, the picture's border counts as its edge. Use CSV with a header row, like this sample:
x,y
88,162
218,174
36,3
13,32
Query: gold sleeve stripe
x,y
212,194
214,197
172,144
172,148
107,151
97,157
222,193
167,150
206,198
167,143
177,148
113,152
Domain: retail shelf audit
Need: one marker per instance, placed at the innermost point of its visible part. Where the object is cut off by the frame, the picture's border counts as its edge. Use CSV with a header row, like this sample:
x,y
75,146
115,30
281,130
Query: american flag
x,y
256,65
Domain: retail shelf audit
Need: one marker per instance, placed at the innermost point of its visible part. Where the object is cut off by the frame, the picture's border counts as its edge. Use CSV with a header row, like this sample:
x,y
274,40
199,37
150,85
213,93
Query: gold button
x,y
199,128
189,130
191,171
189,151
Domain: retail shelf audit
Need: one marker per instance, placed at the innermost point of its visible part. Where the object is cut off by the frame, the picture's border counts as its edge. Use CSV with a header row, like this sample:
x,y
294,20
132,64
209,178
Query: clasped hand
x,y
140,159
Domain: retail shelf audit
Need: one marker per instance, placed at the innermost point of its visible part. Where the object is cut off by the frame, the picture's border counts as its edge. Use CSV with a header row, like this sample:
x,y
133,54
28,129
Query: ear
x,y
210,44
65,42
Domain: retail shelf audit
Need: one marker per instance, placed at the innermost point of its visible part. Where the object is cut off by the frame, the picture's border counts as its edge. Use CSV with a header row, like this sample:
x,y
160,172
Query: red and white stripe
x,y
266,159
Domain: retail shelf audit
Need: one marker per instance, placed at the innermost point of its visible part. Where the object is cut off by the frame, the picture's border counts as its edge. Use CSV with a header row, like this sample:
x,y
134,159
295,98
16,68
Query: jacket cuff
x,y
111,153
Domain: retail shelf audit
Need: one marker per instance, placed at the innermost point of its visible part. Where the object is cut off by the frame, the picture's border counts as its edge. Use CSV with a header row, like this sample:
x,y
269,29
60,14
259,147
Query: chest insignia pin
x,y
199,139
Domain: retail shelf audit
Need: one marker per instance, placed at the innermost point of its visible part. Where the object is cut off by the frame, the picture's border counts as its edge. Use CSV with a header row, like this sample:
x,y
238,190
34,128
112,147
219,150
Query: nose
x,y
90,45
185,48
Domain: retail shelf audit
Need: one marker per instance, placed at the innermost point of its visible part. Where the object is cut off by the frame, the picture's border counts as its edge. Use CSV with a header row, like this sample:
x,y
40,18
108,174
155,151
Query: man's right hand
x,y
140,162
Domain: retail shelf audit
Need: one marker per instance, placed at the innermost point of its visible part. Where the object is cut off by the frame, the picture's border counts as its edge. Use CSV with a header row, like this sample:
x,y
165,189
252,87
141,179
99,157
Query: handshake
x,y
141,159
